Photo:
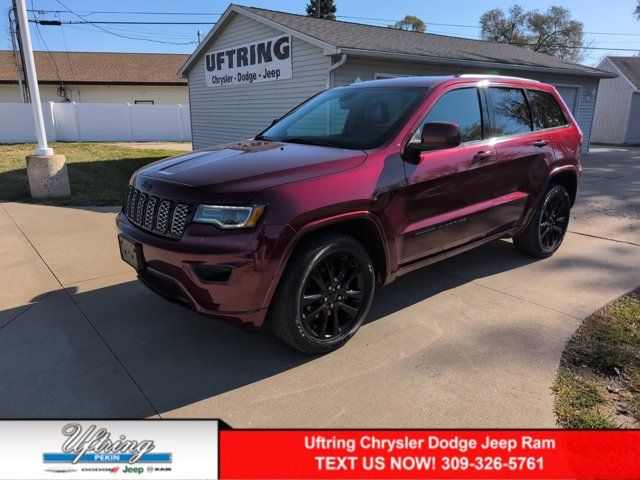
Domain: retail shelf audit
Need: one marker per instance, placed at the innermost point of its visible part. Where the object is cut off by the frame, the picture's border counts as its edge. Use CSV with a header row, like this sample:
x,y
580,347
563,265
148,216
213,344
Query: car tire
x,y
324,294
548,225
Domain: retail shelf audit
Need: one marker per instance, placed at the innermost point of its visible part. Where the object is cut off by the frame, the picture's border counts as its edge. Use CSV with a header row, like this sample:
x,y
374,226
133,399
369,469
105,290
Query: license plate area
x,y
131,253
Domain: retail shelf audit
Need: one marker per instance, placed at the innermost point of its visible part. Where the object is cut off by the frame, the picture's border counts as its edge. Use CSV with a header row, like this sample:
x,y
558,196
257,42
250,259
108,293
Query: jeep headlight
x,y
227,217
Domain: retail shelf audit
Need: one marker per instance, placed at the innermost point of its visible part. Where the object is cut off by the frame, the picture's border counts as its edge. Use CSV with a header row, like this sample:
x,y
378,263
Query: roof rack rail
x,y
468,75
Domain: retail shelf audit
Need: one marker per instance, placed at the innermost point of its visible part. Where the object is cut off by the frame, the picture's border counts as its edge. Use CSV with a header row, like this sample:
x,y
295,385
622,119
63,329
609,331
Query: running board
x,y
423,262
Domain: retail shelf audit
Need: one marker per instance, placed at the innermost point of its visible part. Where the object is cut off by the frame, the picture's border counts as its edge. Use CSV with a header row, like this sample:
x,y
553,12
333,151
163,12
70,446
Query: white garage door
x,y
570,97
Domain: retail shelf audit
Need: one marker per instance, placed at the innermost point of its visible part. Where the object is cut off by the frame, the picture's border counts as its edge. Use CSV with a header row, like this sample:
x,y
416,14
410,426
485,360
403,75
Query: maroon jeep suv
x,y
353,188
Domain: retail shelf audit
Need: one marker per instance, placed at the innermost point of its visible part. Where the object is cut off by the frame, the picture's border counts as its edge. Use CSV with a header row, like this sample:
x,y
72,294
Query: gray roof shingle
x,y
384,39
630,68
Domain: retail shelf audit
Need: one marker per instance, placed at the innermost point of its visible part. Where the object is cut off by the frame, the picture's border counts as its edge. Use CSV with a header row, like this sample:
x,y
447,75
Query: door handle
x,y
480,157
541,143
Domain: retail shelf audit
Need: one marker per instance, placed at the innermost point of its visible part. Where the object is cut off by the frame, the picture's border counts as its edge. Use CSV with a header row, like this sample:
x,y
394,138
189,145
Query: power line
x,y
93,12
130,37
114,22
96,24
53,60
121,12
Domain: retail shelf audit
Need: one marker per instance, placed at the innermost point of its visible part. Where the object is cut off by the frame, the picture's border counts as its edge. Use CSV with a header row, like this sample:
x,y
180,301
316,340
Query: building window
x,y
144,102
382,76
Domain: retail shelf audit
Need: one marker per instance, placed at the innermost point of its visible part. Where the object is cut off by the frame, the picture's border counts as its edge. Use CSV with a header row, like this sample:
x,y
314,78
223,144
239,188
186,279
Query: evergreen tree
x,y
321,9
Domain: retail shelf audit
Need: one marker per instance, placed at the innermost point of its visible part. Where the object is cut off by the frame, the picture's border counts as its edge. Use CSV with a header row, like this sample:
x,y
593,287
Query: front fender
x,y
293,238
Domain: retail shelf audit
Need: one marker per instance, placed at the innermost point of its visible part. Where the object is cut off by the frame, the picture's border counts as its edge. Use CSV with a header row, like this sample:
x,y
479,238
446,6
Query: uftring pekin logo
x,y
96,445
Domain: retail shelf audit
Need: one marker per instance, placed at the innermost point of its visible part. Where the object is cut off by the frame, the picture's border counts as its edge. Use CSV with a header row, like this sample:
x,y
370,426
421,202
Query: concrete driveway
x,y
470,342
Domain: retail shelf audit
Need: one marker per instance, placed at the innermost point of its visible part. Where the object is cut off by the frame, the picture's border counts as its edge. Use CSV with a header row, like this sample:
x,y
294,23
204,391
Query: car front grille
x,y
157,215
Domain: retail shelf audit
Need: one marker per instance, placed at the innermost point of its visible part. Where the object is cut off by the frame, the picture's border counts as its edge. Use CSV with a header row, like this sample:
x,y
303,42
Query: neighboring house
x,y
95,77
617,117
256,64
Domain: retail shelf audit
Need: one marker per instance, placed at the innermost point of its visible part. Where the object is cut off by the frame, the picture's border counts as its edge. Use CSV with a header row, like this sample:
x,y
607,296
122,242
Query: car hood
x,y
235,172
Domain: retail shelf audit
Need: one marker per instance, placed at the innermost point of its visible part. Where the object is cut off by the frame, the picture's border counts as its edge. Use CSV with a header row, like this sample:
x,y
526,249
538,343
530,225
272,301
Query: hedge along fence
x,y
96,122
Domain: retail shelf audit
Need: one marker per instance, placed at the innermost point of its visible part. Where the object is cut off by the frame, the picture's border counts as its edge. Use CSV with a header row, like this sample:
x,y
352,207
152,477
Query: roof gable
x,y
337,36
228,15
629,67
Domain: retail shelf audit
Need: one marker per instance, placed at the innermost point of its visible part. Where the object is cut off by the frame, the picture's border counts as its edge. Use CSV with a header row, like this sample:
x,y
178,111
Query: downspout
x,y
338,64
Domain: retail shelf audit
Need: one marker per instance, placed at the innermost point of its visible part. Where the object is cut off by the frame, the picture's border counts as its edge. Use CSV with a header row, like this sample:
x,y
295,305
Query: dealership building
x,y
256,64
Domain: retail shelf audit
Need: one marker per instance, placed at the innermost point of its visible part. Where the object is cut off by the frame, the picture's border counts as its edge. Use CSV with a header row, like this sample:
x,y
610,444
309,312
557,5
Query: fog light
x,y
213,273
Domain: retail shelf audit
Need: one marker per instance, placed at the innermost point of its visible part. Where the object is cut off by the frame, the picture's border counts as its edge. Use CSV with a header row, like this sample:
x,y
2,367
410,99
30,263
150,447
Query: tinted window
x,y
461,107
351,117
546,111
510,111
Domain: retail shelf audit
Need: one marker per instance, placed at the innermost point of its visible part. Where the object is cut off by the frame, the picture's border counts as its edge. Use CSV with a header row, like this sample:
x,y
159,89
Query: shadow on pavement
x,y
57,363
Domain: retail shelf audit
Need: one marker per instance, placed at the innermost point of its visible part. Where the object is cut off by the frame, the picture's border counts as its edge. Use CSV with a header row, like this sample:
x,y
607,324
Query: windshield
x,y
356,118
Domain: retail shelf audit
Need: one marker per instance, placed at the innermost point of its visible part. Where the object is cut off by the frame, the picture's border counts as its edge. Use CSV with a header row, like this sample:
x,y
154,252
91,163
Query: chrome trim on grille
x,y
161,216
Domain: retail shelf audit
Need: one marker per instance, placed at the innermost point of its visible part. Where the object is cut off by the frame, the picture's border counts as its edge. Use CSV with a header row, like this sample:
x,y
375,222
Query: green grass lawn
x,y
98,172
598,384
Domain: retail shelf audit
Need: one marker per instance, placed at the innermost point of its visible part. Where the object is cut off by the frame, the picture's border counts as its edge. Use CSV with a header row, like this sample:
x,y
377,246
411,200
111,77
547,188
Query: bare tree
x,y
410,22
553,32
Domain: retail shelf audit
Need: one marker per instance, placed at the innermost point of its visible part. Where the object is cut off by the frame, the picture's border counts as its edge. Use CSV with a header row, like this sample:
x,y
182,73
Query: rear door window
x,y
510,109
546,111
462,107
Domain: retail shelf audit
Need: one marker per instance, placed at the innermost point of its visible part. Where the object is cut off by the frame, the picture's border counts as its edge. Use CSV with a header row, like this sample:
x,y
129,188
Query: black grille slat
x,y
162,221
132,205
179,219
158,215
128,200
142,199
150,212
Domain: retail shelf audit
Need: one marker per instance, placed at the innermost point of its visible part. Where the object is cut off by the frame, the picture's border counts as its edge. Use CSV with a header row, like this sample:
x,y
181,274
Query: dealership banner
x,y
262,61
97,449
437,454
208,449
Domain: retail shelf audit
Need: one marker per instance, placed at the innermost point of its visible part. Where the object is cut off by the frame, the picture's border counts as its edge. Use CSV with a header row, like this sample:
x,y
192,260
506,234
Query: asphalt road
x,y
470,342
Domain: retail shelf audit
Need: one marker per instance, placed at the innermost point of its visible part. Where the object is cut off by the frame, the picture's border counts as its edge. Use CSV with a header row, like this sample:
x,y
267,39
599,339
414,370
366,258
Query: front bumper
x,y
254,256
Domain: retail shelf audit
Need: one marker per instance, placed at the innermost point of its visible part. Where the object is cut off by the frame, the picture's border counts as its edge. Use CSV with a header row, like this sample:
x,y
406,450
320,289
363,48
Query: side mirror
x,y
436,136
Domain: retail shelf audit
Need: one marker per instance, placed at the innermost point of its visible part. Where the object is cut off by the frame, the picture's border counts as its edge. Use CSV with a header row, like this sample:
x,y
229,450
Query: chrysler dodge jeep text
x,y
354,188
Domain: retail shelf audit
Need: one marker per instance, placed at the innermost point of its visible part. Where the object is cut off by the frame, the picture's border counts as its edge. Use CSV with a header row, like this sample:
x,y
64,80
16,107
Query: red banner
x,y
441,454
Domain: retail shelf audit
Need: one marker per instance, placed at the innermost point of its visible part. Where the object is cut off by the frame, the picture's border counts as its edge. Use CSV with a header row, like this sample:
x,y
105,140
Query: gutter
x,y
472,63
335,66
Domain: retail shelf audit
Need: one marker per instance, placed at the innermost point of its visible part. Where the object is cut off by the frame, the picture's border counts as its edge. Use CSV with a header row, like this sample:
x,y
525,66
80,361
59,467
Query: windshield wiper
x,y
266,139
307,141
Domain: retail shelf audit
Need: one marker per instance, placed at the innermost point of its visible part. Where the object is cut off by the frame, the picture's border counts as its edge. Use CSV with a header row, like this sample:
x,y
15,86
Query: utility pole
x,y
47,172
17,52
199,37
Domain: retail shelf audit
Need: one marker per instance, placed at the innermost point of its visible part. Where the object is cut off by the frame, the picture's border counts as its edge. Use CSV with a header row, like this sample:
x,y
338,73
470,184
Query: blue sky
x,y
600,17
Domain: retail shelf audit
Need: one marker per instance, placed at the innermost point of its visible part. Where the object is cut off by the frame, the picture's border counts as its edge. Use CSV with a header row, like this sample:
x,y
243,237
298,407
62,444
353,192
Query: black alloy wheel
x,y
333,296
324,294
545,231
554,222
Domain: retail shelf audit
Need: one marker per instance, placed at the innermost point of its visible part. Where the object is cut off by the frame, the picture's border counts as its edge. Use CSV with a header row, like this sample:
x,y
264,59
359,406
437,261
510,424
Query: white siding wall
x,y
161,95
366,69
611,118
224,114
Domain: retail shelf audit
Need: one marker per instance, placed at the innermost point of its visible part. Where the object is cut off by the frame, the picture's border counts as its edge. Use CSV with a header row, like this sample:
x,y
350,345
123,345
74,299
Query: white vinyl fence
x,y
101,122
